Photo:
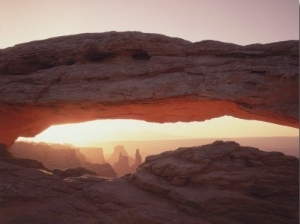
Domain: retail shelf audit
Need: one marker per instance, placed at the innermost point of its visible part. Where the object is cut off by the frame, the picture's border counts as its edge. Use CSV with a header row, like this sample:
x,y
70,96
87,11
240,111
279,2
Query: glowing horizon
x,y
92,132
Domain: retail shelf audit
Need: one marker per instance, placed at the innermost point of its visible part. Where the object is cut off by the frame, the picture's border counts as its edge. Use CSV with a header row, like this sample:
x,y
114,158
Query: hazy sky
x,y
237,21
85,134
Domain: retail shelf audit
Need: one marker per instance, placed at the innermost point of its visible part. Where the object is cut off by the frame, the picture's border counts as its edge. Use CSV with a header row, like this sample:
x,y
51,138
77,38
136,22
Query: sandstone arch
x,y
144,76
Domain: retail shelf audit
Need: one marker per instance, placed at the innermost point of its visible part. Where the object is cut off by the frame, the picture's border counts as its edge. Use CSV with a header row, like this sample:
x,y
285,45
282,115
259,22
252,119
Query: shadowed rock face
x,y
144,76
216,183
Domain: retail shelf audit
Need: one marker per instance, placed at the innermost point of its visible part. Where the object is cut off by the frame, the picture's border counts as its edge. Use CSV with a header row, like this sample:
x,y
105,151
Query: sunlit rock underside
x,y
144,76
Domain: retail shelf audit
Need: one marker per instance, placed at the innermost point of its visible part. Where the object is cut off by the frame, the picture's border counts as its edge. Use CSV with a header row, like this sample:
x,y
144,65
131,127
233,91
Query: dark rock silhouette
x,y
76,172
216,183
144,76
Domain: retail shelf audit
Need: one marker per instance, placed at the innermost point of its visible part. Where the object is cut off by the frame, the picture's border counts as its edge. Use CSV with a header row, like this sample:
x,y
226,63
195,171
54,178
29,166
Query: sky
x,y
236,21
94,132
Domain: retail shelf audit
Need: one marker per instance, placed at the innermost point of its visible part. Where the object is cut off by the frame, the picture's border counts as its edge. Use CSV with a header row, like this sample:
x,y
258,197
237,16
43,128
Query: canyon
x,y
144,76
58,156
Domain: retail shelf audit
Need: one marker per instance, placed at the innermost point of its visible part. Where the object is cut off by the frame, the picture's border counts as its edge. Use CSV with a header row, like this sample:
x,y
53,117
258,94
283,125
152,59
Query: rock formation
x,y
75,172
225,183
216,183
144,76
93,154
60,157
122,166
123,163
6,156
103,170
115,156
138,160
57,157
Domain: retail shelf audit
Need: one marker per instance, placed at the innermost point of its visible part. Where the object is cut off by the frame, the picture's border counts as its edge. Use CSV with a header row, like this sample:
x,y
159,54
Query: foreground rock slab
x,y
144,76
225,183
217,183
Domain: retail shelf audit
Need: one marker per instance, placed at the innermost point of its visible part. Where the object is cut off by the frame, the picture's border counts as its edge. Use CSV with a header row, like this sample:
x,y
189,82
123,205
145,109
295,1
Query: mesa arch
x,y
144,76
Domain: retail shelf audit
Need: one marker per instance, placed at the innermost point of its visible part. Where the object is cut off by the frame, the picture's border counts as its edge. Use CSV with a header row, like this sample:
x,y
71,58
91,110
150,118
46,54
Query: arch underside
x,y
144,76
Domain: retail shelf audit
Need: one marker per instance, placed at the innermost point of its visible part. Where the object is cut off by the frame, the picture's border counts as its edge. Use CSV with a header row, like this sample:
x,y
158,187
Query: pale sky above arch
x,y
237,21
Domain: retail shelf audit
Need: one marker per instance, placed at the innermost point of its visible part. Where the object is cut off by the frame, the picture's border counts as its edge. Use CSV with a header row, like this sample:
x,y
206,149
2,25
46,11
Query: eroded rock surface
x,y
144,76
225,183
217,183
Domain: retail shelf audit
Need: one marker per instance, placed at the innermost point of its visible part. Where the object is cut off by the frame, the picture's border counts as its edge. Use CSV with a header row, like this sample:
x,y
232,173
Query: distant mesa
x,y
57,156
94,154
122,165
6,156
54,156
138,160
116,154
68,157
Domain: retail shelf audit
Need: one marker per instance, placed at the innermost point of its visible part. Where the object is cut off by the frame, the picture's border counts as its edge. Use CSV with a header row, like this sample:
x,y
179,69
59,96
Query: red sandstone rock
x,y
217,183
225,183
144,76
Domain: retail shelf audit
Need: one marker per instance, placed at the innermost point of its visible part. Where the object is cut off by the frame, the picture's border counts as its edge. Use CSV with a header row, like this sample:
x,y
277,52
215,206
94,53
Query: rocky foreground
x,y
217,183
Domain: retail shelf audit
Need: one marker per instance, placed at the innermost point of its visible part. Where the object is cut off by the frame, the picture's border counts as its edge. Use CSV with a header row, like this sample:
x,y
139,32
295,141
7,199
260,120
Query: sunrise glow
x,y
88,133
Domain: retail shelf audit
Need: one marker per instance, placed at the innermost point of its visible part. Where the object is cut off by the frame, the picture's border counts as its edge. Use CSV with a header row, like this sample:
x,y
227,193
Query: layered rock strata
x,y
216,183
144,76
60,157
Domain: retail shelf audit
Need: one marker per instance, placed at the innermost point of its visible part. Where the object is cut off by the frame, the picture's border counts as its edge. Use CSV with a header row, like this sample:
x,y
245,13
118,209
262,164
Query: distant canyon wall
x,y
144,76
63,157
